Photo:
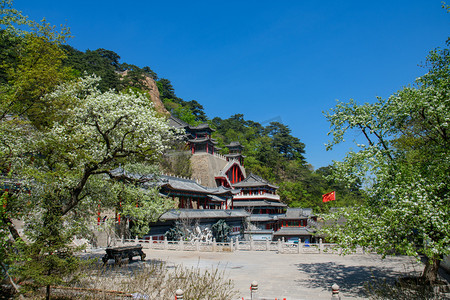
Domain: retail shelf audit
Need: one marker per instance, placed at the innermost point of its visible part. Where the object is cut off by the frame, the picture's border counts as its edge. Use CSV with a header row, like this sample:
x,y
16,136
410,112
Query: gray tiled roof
x,y
297,213
201,126
234,144
177,123
253,180
233,155
259,231
223,172
175,183
202,139
258,203
176,214
189,185
261,218
294,231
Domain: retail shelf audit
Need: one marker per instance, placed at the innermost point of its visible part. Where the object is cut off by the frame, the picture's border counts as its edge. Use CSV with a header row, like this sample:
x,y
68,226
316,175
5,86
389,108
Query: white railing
x,y
218,155
236,245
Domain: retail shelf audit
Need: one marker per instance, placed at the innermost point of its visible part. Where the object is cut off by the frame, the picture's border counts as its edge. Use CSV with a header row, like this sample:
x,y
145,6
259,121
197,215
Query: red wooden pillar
x,y
98,214
232,175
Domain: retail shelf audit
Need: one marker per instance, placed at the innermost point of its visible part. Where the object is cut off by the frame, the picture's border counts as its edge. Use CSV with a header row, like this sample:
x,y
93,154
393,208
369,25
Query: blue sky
x,y
285,60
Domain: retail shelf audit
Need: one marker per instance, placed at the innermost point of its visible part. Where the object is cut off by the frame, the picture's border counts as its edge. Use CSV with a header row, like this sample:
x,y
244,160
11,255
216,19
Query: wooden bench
x,y
119,253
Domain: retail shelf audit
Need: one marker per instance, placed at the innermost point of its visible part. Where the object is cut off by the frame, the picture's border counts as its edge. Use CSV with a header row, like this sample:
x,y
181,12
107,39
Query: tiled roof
x,y
189,185
262,218
253,180
294,231
297,213
202,139
233,155
223,172
176,183
201,126
234,144
176,214
177,123
258,203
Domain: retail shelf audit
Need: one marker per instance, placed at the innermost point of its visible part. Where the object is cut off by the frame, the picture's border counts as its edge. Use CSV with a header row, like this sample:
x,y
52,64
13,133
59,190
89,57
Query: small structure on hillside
x,y
198,138
235,152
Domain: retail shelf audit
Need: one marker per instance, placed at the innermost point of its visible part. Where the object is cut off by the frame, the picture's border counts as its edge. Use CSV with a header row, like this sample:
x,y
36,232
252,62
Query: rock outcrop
x,y
152,89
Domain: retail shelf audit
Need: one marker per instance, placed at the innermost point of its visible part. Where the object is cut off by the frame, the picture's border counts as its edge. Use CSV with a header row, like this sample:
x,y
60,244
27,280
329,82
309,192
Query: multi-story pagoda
x,y
198,137
297,225
235,152
257,196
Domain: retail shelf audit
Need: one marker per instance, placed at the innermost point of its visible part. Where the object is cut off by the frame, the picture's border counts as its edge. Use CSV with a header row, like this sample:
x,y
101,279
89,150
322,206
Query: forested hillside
x,y
271,151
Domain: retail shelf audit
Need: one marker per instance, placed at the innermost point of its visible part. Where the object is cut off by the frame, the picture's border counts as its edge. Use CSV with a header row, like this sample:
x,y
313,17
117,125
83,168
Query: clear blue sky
x,y
288,60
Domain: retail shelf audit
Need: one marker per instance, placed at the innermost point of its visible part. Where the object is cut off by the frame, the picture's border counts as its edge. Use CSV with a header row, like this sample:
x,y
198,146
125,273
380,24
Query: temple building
x,y
233,172
222,190
191,195
257,196
198,138
235,153
296,225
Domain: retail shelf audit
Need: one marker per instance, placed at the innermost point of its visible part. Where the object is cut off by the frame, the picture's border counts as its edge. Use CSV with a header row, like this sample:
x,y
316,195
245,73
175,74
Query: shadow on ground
x,y
351,279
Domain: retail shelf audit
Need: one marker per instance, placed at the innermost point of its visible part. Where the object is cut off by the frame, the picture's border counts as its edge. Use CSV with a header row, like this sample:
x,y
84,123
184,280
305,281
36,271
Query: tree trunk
x,y
47,294
430,273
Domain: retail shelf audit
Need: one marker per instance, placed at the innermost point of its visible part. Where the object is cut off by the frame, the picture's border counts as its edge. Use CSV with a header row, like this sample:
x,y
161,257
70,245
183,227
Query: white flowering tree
x,y
63,170
405,165
94,134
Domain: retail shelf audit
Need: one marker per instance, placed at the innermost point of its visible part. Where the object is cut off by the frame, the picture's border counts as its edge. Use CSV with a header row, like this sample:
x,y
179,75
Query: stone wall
x,y
205,167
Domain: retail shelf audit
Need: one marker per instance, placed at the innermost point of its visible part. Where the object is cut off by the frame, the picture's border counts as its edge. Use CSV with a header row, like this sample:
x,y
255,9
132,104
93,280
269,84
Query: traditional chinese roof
x,y
224,171
234,155
296,213
253,180
258,203
174,183
296,231
177,123
202,140
262,218
189,185
234,145
201,127
176,214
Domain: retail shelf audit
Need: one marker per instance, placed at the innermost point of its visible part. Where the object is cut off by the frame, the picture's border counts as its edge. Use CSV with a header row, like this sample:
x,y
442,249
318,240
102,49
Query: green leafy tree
x,y
197,110
101,62
286,144
31,66
47,260
404,165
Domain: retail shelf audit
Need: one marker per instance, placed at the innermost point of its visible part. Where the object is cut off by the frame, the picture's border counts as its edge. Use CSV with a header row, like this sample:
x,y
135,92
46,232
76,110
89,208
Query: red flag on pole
x,y
329,196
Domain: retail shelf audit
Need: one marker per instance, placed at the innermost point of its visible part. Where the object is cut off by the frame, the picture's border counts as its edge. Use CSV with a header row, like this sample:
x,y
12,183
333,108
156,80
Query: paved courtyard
x,y
294,276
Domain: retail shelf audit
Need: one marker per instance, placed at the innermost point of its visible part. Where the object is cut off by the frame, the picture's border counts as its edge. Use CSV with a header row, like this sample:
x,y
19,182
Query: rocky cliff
x,y
152,90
